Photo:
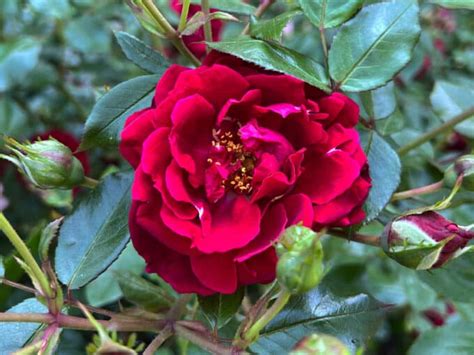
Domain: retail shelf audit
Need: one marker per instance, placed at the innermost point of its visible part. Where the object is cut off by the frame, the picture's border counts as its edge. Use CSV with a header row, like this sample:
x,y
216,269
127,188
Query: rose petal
x,y
216,271
259,269
327,176
229,224
278,89
272,225
190,138
299,209
167,82
137,128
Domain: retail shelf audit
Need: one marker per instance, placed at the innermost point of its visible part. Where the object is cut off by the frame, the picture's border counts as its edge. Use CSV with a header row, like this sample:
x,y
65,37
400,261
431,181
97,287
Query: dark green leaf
x,y
384,170
105,289
235,6
17,59
371,48
220,309
455,4
12,118
457,338
329,13
104,124
16,335
271,29
141,54
379,103
454,280
93,236
142,292
277,58
449,100
352,320
392,124
50,233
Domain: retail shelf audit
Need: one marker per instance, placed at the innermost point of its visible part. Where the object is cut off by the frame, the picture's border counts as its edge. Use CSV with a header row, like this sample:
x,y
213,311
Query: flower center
x,y
229,153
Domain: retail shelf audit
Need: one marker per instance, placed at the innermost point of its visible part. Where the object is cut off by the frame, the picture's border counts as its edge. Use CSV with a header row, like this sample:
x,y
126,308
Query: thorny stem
x,y
264,5
26,255
372,240
435,131
159,340
418,191
207,24
170,32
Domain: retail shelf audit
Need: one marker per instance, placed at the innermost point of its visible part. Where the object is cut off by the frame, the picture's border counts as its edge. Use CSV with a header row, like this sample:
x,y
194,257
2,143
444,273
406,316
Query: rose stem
x,y
170,32
90,183
435,131
207,24
259,12
25,253
372,240
184,15
159,340
418,191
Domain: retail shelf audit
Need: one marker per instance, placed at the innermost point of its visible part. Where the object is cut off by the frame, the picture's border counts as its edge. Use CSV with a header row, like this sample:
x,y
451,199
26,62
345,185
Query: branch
x,y
372,240
418,191
435,131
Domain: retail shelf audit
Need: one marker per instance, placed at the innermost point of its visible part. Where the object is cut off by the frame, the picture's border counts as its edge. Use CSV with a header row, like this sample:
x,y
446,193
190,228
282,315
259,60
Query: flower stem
x,y
159,340
170,32
207,24
90,183
372,240
26,255
184,15
282,299
264,5
418,191
435,131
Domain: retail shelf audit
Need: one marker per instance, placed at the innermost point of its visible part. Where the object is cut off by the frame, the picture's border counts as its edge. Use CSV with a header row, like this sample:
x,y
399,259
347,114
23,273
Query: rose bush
x,y
228,156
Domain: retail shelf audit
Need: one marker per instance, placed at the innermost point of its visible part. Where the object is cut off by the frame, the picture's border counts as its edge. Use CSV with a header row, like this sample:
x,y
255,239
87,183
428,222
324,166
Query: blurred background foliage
x,y
58,56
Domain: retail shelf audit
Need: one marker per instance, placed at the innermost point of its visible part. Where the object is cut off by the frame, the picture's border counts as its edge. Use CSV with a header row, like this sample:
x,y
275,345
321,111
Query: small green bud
x,y
320,344
462,166
48,164
300,263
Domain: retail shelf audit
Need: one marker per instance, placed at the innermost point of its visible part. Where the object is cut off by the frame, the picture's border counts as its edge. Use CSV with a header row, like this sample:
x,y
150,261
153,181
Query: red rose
x,y
195,41
226,158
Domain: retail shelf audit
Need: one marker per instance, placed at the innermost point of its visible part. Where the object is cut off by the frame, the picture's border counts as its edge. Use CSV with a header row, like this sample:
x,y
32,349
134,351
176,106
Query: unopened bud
x,y
424,241
48,164
320,344
462,166
300,263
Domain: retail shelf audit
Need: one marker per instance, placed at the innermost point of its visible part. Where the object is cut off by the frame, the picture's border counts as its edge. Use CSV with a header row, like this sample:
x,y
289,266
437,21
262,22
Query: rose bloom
x,y
228,156
195,42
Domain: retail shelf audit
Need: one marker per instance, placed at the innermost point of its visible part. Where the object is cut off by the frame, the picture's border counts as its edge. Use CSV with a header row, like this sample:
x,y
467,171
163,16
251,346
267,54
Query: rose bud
x,y
424,241
320,344
300,263
462,166
48,164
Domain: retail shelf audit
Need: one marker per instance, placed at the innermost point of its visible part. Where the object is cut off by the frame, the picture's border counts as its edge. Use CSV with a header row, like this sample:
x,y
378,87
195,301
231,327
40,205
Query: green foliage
x,y
220,309
329,13
456,338
141,54
454,4
271,29
371,48
352,320
108,116
384,171
236,6
274,57
93,236
16,335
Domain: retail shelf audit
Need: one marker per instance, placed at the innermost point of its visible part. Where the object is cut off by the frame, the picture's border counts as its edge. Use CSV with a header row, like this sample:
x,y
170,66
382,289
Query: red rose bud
x,y
424,241
462,166
320,344
300,263
47,164
244,153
